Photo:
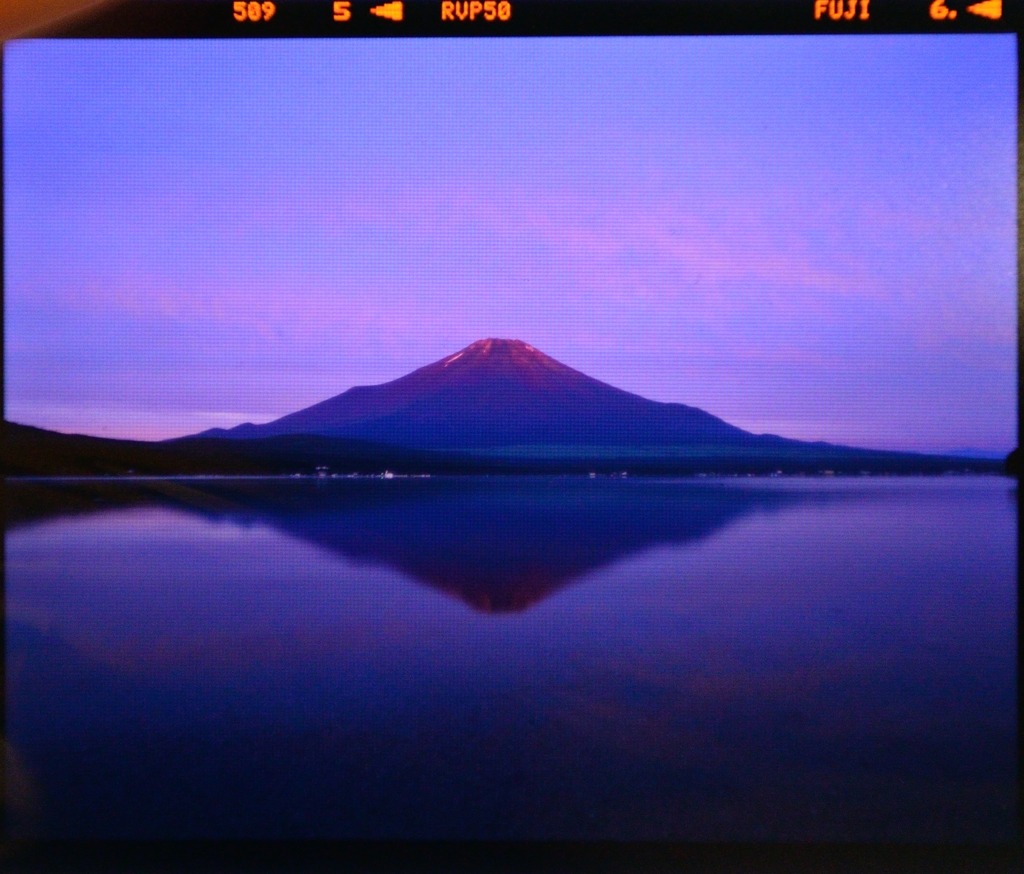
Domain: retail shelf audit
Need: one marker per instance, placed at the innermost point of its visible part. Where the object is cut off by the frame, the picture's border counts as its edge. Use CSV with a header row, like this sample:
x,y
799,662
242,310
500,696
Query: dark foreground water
x,y
549,658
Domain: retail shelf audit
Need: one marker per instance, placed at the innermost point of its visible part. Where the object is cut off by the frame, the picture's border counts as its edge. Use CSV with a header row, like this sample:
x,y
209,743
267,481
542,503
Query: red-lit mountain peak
x,y
498,352
498,357
495,348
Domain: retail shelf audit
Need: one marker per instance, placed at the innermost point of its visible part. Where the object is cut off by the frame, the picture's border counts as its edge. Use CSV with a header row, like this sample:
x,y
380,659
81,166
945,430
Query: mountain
x,y
504,393
495,407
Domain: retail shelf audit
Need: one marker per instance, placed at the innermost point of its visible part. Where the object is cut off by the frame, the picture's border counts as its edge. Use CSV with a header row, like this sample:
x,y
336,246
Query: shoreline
x,y
388,476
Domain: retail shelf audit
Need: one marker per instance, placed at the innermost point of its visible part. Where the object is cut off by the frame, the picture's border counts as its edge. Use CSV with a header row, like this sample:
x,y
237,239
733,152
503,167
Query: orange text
x,y
841,10
488,10
253,11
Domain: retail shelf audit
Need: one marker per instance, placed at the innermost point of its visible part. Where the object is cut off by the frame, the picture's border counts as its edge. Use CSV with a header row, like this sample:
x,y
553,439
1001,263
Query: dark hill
x,y
35,452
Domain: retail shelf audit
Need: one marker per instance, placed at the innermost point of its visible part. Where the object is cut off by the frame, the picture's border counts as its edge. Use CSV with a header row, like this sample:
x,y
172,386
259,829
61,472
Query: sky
x,y
807,236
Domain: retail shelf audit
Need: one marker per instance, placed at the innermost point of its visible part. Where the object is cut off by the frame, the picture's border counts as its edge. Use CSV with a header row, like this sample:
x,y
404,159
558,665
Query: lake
x,y
571,658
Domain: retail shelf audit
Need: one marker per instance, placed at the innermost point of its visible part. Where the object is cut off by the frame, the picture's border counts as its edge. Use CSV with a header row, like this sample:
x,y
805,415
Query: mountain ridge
x,y
34,452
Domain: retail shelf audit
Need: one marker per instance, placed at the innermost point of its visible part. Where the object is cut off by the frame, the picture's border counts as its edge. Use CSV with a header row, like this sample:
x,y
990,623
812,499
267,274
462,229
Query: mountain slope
x,y
502,393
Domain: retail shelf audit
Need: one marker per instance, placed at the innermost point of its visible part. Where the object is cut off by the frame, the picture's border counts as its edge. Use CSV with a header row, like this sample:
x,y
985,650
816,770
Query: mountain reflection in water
x,y
499,545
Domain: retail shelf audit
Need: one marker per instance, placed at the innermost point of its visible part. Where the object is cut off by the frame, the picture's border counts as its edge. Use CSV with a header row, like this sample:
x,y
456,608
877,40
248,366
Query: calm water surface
x,y
541,658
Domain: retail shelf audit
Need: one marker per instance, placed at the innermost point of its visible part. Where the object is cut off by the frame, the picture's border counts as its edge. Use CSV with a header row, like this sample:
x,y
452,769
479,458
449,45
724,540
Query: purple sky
x,y
809,236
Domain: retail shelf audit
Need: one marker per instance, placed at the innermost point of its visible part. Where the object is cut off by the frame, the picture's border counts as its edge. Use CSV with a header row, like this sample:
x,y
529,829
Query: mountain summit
x,y
499,394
